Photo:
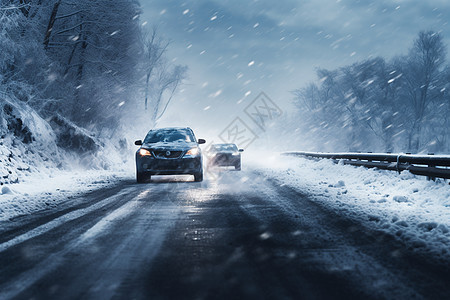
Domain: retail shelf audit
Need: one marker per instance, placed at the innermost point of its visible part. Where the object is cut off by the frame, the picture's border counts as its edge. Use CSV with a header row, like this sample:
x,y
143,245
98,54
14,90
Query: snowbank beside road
x,y
411,208
43,192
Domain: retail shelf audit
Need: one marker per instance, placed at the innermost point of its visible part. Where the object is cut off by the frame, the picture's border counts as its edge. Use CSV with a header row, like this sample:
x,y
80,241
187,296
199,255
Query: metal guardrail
x,y
432,166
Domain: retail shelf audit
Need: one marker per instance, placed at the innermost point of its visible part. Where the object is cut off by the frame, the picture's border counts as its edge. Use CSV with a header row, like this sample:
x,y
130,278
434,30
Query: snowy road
x,y
235,235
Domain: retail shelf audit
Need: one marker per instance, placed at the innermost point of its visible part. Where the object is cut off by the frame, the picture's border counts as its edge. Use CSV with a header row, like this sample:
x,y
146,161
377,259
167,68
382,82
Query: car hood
x,y
178,145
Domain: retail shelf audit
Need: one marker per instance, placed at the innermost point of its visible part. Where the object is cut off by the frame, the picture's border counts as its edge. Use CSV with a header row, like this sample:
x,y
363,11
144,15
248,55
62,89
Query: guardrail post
x,y
431,166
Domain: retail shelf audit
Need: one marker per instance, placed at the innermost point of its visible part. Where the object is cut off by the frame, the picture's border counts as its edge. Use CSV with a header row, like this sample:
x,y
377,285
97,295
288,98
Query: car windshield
x,y
168,136
225,147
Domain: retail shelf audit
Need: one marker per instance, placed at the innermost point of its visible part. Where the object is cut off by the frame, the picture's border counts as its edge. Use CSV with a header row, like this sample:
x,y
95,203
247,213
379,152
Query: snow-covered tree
x,y
96,45
401,104
423,78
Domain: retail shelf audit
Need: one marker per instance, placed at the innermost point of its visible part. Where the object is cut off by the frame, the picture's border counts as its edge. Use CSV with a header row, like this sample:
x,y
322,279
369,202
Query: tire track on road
x,y
59,221
96,252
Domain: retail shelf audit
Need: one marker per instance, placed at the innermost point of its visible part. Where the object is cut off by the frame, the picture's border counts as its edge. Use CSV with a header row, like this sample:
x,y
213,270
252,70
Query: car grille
x,y
223,157
174,165
167,154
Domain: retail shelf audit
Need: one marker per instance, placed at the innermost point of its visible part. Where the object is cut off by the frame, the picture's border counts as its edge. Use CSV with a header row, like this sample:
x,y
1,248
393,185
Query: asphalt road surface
x,y
236,235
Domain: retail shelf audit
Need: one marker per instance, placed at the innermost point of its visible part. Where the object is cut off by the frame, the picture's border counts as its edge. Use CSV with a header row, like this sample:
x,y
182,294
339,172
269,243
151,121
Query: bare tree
x,y
423,74
169,81
51,22
161,78
154,49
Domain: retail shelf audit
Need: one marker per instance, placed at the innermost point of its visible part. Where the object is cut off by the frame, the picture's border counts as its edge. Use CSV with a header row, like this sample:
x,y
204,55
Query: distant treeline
x,y
377,105
91,62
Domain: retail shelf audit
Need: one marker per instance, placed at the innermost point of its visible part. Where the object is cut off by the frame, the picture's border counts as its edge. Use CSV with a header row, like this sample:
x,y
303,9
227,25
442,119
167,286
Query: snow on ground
x,y
409,207
41,191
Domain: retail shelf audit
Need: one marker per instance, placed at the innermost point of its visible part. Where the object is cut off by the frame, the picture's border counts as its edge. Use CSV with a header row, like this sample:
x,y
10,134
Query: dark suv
x,y
224,155
169,151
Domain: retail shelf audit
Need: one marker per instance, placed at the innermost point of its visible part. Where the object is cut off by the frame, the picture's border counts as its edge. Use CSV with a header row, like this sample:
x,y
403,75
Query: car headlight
x,y
144,152
192,152
235,154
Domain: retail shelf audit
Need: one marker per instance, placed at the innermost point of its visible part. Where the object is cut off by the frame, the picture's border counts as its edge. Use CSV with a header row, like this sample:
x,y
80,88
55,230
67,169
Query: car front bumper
x,y
155,166
225,160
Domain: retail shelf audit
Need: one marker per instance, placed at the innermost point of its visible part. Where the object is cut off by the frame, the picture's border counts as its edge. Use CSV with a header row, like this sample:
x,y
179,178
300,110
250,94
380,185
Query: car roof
x,y
171,128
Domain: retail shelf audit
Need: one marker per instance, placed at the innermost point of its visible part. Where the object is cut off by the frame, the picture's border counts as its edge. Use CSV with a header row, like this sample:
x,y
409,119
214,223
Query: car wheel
x,y
142,177
198,177
237,167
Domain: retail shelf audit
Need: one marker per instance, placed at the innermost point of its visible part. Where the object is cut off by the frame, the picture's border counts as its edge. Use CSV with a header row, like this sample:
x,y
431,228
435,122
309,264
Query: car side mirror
x,y
138,143
241,150
201,141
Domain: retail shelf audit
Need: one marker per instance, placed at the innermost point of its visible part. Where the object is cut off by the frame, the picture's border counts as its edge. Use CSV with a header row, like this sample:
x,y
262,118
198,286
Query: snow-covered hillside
x,y
27,142
32,147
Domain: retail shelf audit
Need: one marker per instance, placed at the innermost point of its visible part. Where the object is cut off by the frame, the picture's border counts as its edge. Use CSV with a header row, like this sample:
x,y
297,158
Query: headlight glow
x,y
192,152
235,154
144,152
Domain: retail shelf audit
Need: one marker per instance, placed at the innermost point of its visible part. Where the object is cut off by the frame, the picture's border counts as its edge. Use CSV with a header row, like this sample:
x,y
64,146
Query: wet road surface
x,y
234,236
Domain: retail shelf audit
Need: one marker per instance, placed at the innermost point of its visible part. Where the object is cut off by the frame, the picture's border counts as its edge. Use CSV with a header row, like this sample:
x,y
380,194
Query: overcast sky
x,y
236,48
